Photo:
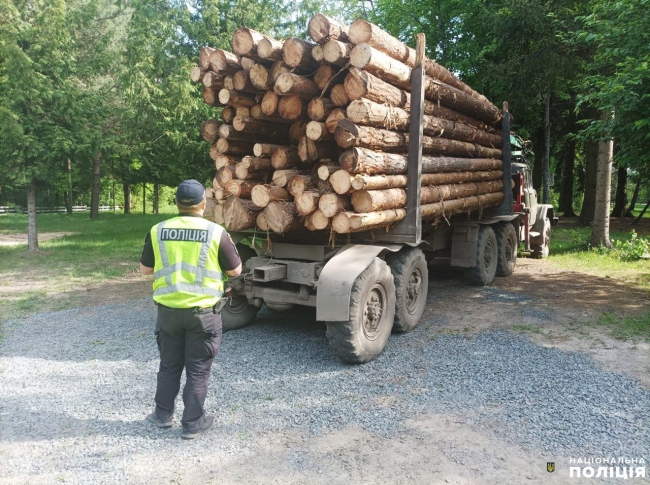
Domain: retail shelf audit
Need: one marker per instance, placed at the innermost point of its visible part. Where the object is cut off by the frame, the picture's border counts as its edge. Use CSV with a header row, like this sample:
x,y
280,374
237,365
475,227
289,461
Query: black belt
x,y
195,309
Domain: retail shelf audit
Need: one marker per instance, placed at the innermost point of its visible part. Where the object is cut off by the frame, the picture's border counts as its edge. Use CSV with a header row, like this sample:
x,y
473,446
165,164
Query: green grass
x,y
627,327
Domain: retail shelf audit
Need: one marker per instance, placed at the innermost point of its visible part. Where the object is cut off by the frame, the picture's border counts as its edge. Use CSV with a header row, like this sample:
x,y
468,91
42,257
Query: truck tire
x,y
541,251
372,309
411,277
238,312
507,245
487,257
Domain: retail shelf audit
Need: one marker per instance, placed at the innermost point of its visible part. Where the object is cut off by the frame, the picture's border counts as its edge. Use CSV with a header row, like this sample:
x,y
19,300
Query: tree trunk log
x,y
236,99
240,188
265,149
282,217
319,108
333,119
628,213
297,131
600,227
337,52
252,167
261,77
349,135
307,202
204,58
324,74
312,151
241,81
591,168
228,114
32,229
269,103
292,84
332,204
262,223
211,97
228,147
270,49
448,208
341,181
364,161
316,221
210,130
324,172
225,174
245,41
263,194
280,178
292,107
338,96
620,200
224,62
223,160
299,184
323,29
380,182
218,214
126,190
96,186
247,63
297,53
256,112
277,69
317,53
228,83
239,214
212,80
317,131
252,126
565,204
381,65
285,157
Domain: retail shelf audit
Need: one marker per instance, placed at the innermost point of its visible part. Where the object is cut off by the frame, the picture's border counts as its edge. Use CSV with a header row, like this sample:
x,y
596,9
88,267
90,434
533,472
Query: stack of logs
x,y
315,135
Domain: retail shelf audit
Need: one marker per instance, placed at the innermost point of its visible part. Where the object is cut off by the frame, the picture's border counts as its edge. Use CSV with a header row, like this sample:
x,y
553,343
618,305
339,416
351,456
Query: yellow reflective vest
x,y
186,271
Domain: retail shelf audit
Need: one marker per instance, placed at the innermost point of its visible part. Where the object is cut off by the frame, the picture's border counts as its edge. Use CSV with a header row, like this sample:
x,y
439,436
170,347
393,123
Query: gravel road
x,y
76,386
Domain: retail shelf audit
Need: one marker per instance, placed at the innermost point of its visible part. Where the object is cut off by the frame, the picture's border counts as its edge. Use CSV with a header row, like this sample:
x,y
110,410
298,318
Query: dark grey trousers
x,y
186,339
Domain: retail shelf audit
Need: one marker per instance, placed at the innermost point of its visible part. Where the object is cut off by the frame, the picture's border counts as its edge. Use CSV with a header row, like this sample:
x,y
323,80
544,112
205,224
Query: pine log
x,y
219,194
317,221
449,208
242,111
261,77
341,181
337,52
263,194
277,69
247,63
281,178
252,167
299,184
381,65
349,135
311,151
229,133
270,49
211,97
307,202
228,83
323,75
269,103
297,131
285,157
212,80
369,113
319,108
360,84
379,182
204,58
457,100
224,62
364,161
218,214
292,84
324,187
347,222
261,222
239,214
245,41
235,98
223,160
332,204
228,147
282,216
228,114
338,95
257,127
333,119
297,53
225,174
210,130
323,28
197,74
317,53
240,188
292,107
216,186
265,149
378,200
241,81
256,112
317,131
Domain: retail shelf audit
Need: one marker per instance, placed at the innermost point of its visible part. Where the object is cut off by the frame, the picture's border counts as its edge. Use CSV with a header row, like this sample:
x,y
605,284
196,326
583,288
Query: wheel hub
x,y
413,290
373,311
487,254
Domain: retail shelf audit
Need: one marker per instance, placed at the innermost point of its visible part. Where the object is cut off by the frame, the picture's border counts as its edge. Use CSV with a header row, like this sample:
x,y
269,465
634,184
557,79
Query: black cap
x,y
190,192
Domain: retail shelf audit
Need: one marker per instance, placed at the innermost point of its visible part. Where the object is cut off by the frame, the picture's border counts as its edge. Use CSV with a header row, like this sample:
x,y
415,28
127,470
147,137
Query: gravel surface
x,y
76,386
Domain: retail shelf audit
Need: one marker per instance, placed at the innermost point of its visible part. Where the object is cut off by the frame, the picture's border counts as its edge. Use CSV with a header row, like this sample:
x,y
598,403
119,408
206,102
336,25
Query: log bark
x,y
319,108
211,97
324,74
379,182
360,84
281,178
265,149
228,147
381,65
229,133
457,100
269,49
377,200
269,103
256,127
600,226
323,29
263,194
240,188
292,84
223,160
299,184
210,205
241,81
224,62
256,112
448,208
620,200
338,96
333,119
197,74
204,58
236,99
347,222
282,217
337,52
292,107
332,204
228,114
218,214
297,53
364,161
285,157
297,131
324,187
261,222
311,151
317,221
307,202
212,80
239,214
277,69
341,181
317,131
210,130
245,41
369,113
349,135
591,167
261,78
225,174
252,167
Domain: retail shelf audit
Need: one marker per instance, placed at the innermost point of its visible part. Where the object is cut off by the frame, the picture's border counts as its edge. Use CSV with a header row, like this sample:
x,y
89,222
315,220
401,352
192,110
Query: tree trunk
x,y
32,230
316,221
591,169
568,167
221,161
281,178
252,168
317,131
261,77
282,217
269,103
635,196
285,157
241,81
323,29
94,197
337,52
204,57
255,128
642,213
245,41
144,198
262,194
292,107
307,203
546,173
379,182
620,201
270,49
600,228
228,114
225,174
265,149
69,208
338,96
240,188
311,151
234,98
156,197
324,75
333,119
224,62
293,84
126,188
227,147
297,53
239,214
299,184
319,108
332,204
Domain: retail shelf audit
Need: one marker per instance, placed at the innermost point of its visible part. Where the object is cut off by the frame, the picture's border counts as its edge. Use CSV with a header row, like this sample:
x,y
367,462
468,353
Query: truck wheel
x,y
487,255
238,312
372,309
541,251
507,245
411,276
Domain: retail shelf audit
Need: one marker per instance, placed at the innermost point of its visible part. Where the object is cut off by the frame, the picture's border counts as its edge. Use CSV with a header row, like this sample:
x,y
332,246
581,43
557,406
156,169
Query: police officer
x,y
188,256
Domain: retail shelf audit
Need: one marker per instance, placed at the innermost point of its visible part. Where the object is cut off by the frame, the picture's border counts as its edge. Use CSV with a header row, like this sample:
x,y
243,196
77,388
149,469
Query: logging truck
x,y
366,285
